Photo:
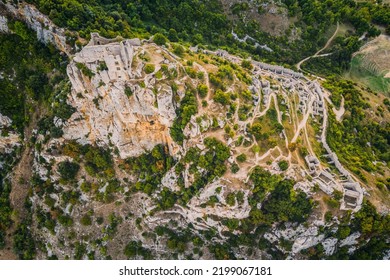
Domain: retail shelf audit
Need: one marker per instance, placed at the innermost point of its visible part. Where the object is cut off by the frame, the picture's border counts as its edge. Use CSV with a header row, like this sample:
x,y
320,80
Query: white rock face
x,y
192,129
350,240
3,24
387,255
10,140
170,180
134,122
301,237
329,245
222,208
47,31
307,239
5,121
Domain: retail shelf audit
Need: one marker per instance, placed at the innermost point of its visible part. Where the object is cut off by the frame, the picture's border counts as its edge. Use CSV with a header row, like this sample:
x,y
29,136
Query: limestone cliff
x,y
47,31
116,101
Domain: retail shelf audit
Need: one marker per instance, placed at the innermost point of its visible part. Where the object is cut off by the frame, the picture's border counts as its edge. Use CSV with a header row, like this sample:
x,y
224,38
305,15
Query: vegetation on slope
x,y
204,22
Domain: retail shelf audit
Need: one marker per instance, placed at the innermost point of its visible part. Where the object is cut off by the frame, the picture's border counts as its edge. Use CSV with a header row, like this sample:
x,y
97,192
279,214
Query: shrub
x,y
149,68
246,64
86,220
68,170
241,158
172,35
202,90
283,165
128,91
102,66
231,199
85,70
65,220
221,97
135,249
160,39
178,50
234,168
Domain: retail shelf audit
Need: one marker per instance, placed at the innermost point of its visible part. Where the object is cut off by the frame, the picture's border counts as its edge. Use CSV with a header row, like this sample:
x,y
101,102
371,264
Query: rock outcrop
x,y
47,31
117,103
8,140
3,24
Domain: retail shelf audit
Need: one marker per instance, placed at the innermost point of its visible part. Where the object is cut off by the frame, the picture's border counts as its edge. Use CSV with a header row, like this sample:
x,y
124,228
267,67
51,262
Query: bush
x,y
128,91
178,50
188,107
283,165
241,158
247,64
64,111
231,199
149,68
160,39
68,170
24,244
172,35
2,241
221,97
102,66
134,249
234,168
65,220
98,161
85,70
202,90
150,168
86,220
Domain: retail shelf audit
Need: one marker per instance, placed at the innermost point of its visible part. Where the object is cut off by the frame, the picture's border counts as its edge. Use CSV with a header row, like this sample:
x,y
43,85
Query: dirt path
x,y
302,124
317,54
340,112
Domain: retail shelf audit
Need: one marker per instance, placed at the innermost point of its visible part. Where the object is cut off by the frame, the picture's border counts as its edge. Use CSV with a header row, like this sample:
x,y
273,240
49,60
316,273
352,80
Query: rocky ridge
x,y
133,123
122,107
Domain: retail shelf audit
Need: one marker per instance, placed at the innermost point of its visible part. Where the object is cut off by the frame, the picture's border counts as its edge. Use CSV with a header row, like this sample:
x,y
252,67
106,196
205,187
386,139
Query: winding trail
x,y
302,124
317,54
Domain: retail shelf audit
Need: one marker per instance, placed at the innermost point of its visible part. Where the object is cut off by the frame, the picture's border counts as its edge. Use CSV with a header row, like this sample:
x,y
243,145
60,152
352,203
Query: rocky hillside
x,y
158,150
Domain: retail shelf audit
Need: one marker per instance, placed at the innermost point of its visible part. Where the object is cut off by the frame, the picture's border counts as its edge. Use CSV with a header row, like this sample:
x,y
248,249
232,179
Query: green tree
x,y
160,39
221,97
202,90
68,170
283,165
178,50
172,35
241,158
149,68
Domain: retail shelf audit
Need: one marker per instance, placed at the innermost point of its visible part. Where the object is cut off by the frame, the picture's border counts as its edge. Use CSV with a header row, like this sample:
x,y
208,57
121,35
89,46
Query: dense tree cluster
x,y
358,140
188,107
205,167
68,170
25,65
150,168
280,202
206,22
134,249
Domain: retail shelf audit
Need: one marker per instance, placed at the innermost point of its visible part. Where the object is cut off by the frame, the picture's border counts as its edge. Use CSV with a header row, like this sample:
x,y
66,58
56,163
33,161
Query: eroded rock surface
x,y
47,31
3,24
116,101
